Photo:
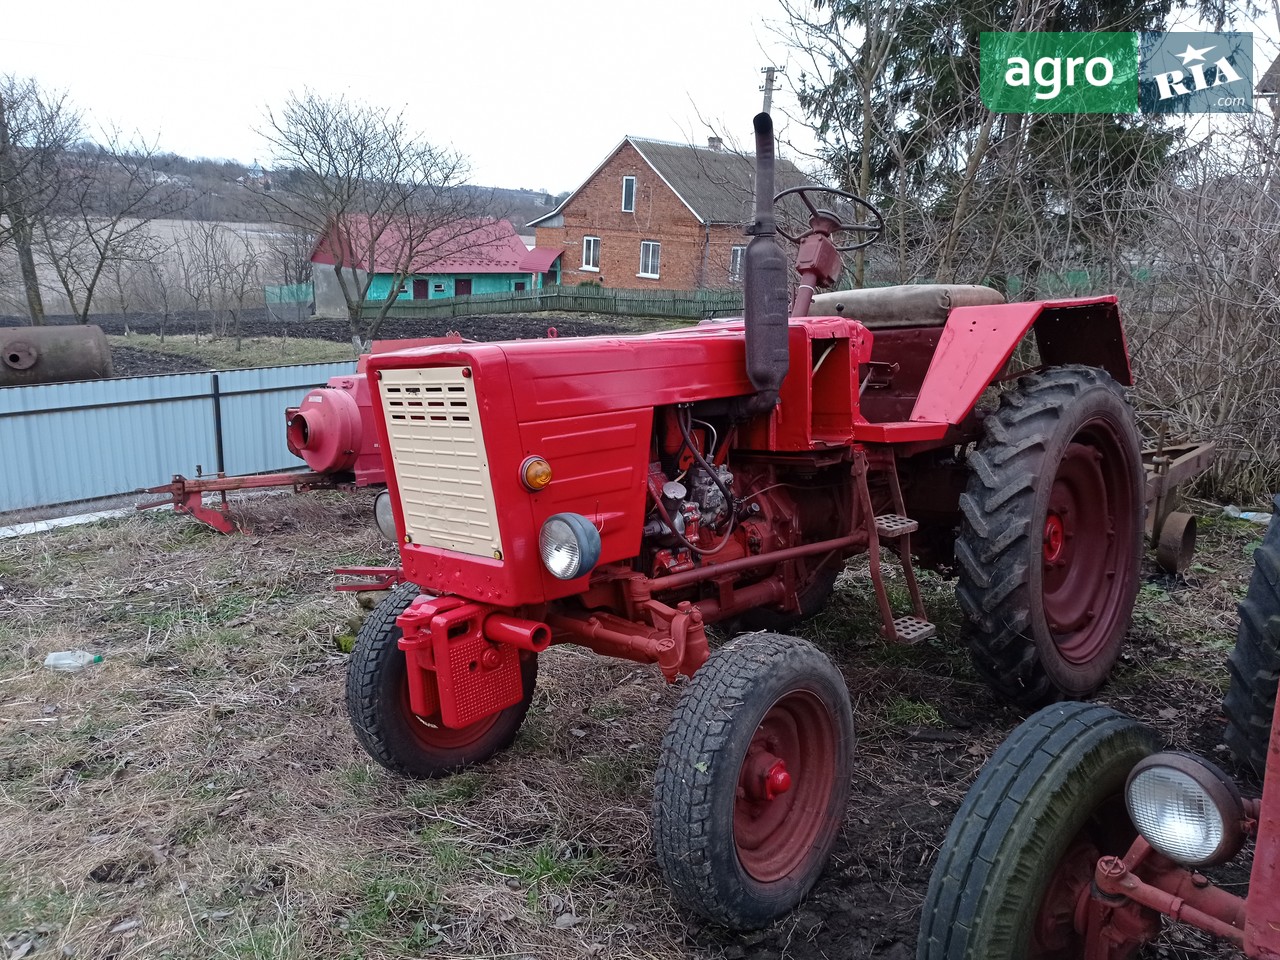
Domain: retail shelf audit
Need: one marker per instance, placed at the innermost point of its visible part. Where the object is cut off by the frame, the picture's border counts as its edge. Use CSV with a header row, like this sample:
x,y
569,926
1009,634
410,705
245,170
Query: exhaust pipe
x,y
765,307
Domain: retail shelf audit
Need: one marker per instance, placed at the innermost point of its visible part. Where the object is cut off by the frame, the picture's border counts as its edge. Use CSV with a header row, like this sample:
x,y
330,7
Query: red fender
x,y
978,341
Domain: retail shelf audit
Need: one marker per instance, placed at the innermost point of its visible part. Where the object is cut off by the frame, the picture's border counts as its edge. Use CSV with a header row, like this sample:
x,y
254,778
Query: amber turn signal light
x,y
535,473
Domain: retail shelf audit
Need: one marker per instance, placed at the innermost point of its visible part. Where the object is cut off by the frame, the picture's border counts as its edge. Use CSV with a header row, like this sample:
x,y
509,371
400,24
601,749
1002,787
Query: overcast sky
x,y
534,93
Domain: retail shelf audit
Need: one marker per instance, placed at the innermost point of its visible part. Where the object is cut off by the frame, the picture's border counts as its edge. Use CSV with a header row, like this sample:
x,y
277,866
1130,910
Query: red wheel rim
x,y
1087,547
1058,929
784,787
1055,933
434,735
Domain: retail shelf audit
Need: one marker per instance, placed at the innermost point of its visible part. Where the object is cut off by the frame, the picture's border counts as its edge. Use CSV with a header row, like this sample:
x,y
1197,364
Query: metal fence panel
x,y
65,442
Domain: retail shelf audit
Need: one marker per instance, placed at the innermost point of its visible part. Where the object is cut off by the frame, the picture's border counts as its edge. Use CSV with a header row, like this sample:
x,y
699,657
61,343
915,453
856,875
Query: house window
x,y
628,194
737,256
650,253
590,253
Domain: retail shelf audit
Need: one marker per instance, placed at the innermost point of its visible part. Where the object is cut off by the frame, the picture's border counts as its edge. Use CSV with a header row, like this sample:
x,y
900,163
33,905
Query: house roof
x,y
1270,82
464,246
540,259
717,185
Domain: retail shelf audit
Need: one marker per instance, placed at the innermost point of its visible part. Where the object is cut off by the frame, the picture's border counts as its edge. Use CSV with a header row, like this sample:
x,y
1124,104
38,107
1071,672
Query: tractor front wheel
x,y
1019,858
1051,536
1255,662
384,724
753,780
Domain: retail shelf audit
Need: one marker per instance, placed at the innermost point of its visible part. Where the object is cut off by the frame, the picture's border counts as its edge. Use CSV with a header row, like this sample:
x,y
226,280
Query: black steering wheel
x,y
875,227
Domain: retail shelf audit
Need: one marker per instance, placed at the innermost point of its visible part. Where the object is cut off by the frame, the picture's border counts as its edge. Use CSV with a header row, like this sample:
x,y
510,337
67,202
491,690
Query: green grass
x,y
549,866
460,788
221,353
397,902
906,712
620,775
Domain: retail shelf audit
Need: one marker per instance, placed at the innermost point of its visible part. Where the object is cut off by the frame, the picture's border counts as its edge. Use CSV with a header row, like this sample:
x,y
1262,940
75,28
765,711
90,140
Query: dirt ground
x,y
256,323
199,793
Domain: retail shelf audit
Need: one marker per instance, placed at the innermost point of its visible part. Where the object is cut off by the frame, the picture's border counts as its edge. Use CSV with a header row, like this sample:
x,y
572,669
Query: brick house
x,y
663,215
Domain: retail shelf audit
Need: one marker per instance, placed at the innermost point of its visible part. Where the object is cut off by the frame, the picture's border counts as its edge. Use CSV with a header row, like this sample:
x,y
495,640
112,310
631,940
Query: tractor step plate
x,y
913,629
892,525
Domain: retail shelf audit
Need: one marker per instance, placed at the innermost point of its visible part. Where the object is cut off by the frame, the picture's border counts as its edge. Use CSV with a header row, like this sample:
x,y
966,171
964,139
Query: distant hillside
x,y
226,191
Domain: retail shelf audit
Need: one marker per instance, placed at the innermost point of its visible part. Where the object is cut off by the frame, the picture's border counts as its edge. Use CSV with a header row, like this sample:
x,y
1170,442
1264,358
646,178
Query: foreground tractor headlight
x,y
570,545
384,517
1186,808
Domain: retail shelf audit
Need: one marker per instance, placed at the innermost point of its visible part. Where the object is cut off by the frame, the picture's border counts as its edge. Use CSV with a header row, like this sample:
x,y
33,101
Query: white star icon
x,y
1191,53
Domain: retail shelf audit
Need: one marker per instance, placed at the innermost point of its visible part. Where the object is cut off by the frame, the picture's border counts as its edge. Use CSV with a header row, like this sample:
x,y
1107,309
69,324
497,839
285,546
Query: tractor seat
x,y
907,305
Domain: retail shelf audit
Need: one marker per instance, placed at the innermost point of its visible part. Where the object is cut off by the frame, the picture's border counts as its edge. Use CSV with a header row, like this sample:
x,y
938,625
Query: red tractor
x,y
1078,839
625,493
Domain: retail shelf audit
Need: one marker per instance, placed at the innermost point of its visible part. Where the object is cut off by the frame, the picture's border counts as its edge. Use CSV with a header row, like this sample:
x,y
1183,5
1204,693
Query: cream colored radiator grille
x,y
437,446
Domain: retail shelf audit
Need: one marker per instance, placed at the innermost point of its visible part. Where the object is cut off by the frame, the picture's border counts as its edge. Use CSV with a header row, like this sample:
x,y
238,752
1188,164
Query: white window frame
x,y
625,182
737,262
586,244
654,259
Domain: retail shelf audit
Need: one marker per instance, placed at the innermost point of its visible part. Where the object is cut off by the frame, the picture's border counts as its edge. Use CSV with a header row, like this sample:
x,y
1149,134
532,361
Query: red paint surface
x,y
1262,913
978,341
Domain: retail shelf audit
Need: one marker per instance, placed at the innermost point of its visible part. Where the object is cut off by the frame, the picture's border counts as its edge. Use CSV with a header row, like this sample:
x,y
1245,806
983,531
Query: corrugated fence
x,y
65,442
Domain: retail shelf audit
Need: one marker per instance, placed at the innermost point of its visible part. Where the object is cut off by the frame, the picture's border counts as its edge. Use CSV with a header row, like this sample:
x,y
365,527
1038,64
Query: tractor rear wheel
x,y
1021,851
384,724
1255,662
754,779
1051,536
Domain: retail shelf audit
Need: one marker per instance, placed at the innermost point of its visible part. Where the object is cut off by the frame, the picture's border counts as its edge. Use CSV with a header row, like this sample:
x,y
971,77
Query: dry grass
x,y
199,794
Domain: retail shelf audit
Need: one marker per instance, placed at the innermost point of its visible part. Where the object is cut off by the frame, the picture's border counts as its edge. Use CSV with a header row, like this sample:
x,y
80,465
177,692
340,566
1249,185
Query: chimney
x,y
715,143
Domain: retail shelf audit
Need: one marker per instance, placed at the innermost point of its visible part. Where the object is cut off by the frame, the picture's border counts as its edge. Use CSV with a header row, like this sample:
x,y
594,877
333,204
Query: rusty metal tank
x,y
53,354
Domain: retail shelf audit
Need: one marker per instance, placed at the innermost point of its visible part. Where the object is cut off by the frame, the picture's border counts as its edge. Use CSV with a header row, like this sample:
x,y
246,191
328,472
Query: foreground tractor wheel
x,y
1255,662
1022,849
1051,536
754,778
378,702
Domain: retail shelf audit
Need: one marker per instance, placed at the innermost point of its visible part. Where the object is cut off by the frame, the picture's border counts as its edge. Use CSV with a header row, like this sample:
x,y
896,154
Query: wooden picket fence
x,y
678,304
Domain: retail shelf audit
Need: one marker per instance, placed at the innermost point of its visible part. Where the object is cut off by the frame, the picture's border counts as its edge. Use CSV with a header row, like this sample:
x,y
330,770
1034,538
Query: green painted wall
x,y
480,283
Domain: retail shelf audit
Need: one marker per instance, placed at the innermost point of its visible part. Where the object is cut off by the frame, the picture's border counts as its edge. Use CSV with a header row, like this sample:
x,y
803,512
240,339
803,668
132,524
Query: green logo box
x,y
1059,72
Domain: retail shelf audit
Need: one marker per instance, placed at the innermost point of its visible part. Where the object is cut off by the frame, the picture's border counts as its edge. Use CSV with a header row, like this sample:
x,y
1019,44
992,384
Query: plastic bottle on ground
x,y
71,660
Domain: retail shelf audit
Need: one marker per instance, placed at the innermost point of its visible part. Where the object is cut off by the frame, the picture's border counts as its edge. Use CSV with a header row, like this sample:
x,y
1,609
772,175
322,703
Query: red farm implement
x,y
331,430
624,493
1078,840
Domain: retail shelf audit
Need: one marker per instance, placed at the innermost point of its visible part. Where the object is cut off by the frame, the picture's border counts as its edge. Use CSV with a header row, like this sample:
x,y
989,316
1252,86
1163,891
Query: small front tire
x,y
384,724
1022,849
754,779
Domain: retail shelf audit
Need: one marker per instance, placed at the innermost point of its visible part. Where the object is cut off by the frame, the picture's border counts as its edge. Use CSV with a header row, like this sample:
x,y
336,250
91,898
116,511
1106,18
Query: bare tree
x,y
36,130
380,194
108,197
158,289
287,259
1205,330
235,271
192,270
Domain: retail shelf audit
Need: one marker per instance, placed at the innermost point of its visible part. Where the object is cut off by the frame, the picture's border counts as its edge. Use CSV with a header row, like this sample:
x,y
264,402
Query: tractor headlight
x,y
1186,808
570,545
384,516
